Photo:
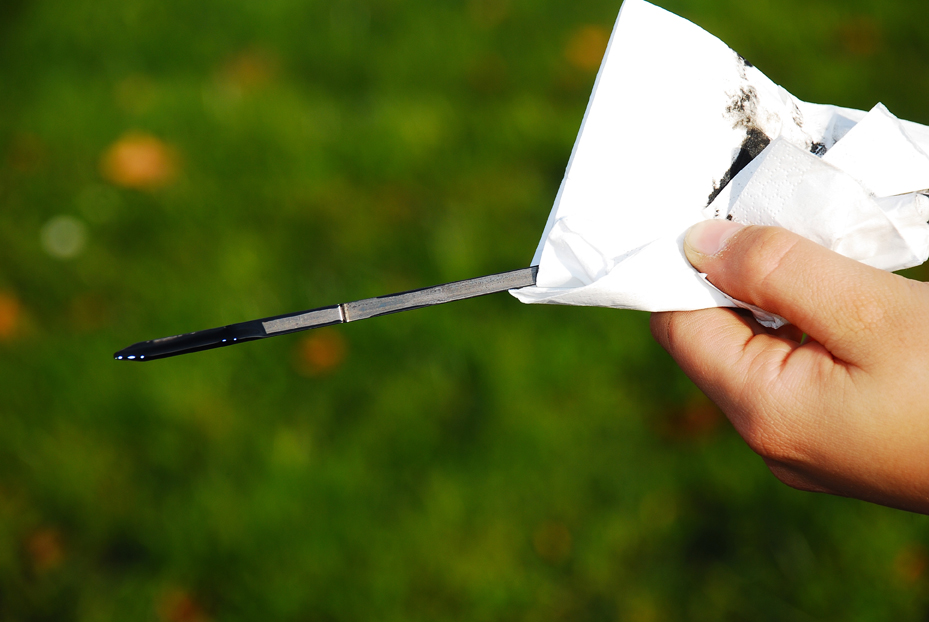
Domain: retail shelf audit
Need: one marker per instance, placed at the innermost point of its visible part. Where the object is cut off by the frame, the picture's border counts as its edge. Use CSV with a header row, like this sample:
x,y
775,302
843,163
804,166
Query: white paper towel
x,y
680,128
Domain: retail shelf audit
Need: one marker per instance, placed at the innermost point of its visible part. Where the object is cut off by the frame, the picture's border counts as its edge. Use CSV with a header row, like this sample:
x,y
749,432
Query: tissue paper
x,y
680,128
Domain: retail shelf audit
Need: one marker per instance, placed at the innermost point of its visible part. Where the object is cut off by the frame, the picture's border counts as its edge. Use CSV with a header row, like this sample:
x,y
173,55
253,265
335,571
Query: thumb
x,y
845,305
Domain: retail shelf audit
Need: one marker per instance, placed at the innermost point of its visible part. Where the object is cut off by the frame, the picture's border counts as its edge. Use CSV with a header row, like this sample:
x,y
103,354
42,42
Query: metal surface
x,y
303,321
326,316
449,292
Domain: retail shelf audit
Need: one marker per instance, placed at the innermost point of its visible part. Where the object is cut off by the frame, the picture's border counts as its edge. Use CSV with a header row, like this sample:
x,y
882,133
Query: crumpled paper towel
x,y
680,128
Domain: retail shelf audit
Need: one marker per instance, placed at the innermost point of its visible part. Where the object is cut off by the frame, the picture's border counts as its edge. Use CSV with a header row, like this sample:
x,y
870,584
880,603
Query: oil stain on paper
x,y
743,112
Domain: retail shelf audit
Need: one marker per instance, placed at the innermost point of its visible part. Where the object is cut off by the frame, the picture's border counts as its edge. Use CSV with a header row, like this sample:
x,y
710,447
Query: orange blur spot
x,y
45,549
250,70
861,36
394,203
489,74
26,153
320,353
553,542
140,161
701,416
488,13
697,420
912,563
89,312
586,47
10,314
179,606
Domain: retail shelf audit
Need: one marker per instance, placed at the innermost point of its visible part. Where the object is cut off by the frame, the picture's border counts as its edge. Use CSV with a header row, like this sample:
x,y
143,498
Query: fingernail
x,y
710,236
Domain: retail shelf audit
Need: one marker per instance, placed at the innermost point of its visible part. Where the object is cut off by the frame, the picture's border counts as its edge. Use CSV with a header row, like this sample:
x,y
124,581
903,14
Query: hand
x,y
846,412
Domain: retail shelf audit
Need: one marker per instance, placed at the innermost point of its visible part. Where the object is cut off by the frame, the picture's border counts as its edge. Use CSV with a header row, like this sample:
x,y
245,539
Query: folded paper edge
x,y
918,134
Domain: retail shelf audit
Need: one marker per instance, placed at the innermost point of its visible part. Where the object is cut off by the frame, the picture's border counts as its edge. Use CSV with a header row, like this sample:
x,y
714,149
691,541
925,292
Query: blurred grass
x,y
168,166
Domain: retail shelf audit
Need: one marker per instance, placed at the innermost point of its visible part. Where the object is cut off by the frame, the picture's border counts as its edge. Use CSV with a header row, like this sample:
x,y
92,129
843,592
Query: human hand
x,y
843,413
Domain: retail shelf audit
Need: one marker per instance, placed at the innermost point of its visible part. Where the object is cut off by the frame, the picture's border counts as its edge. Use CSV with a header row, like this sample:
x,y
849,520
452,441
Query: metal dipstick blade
x,y
439,294
327,316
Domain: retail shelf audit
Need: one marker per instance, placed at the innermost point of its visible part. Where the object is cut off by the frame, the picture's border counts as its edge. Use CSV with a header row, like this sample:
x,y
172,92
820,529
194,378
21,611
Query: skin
x,y
846,412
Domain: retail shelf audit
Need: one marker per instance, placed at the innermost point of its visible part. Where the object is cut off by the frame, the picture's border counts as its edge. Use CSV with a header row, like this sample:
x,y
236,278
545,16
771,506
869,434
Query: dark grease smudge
x,y
798,117
743,110
754,143
818,149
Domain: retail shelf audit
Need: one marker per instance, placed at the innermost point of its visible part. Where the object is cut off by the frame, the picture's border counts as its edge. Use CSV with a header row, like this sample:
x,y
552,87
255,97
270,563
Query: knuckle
x,y
659,324
671,326
666,328
766,254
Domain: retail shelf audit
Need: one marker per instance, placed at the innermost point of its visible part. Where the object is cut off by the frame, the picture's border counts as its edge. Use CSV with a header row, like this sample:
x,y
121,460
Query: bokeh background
x,y
171,165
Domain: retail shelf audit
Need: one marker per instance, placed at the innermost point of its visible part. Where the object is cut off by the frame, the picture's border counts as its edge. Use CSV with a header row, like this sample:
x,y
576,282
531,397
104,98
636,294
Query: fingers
x,y
842,413
818,426
843,304
726,354
764,383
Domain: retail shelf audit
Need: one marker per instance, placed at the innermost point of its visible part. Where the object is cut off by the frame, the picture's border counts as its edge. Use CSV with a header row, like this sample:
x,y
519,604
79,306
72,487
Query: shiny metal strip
x,y
319,317
372,307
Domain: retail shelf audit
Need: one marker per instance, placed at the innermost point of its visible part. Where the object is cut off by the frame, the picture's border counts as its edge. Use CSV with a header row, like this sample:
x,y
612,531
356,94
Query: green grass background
x,y
483,460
